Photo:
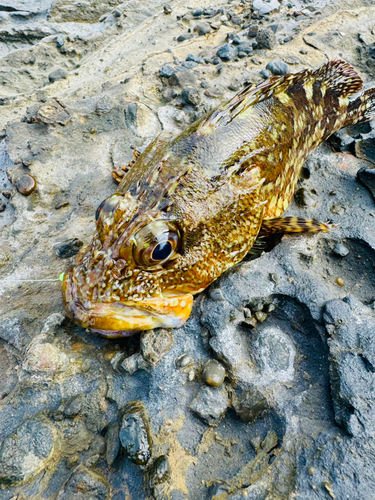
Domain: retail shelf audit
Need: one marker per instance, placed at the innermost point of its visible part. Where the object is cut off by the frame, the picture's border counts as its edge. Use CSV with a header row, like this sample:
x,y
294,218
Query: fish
x,y
189,208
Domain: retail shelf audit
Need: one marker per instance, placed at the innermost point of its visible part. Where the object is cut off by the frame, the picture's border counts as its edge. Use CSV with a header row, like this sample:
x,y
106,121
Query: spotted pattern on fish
x,y
214,185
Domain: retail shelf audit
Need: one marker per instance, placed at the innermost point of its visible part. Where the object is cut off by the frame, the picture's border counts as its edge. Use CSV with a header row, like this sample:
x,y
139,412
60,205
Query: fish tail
x,y
361,108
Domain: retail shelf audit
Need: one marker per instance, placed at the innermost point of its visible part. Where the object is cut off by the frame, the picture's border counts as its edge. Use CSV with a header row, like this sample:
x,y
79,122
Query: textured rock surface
x,y
83,84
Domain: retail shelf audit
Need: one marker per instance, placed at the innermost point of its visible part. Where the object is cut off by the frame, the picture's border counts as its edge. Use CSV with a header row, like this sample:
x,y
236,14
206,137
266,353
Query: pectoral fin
x,y
293,225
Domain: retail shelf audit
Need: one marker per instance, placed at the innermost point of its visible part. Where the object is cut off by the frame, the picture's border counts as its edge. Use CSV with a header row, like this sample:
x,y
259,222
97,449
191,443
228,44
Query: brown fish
x,y
189,209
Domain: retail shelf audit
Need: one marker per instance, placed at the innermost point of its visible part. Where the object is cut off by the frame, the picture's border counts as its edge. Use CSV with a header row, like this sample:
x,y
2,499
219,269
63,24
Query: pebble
x,y
266,39
60,41
202,28
192,57
278,67
253,31
166,71
341,250
197,12
340,281
134,363
184,361
58,74
185,36
227,52
68,248
245,47
25,184
251,405
135,435
265,73
155,344
183,79
159,471
214,373
265,7
167,9
260,316
191,96
210,12
237,20
210,404
233,37
189,64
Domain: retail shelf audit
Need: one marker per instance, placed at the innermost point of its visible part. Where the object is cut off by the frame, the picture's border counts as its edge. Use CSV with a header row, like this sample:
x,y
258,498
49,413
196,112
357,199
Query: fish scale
x,y
204,196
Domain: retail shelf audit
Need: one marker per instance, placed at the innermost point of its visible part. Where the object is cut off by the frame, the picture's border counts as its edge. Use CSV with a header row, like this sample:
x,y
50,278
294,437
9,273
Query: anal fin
x,y
293,225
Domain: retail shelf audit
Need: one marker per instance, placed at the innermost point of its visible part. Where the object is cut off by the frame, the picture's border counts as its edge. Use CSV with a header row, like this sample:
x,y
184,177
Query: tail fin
x,y
340,77
362,108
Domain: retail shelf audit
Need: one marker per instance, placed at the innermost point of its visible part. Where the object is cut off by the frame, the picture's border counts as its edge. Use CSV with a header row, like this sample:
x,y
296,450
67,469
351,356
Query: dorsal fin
x,y
337,75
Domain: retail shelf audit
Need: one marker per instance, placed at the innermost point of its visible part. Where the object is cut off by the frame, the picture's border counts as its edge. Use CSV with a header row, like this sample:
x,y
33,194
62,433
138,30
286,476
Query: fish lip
x,y
122,319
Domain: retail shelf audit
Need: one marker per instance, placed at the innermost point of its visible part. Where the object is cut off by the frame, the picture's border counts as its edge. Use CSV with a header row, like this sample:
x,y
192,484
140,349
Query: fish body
x,y
192,207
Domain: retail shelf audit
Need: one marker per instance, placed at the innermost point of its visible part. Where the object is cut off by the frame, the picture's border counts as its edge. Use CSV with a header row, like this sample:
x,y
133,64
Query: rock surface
x,y
287,335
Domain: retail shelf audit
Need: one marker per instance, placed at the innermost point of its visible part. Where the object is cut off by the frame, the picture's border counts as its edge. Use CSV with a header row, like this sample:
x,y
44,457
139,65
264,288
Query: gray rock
x,y
58,74
245,47
141,120
134,363
192,57
341,250
278,67
266,39
104,105
202,28
68,248
167,71
60,41
266,7
191,96
85,484
214,373
210,405
135,434
26,452
189,64
227,52
184,37
155,344
183,79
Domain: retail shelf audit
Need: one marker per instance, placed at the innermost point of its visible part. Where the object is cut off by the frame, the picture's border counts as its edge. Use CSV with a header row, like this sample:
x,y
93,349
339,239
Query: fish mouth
x,y
122,319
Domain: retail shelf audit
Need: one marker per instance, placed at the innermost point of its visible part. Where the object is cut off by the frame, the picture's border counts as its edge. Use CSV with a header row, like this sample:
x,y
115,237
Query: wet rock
x,y
341,250
58,74
250,405
350,325
266,39
191,96
210,12
202,28
278,67
155,344
25,184
265,73
112,442
68,248
135,433
214,373
85,484
210,405
184,361
26,452
366,176
159,471
266,7
166,71
141,120
49,113
227,52
134,363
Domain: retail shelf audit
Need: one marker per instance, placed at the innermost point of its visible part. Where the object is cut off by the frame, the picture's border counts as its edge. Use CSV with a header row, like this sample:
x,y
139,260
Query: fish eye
x,y
155,243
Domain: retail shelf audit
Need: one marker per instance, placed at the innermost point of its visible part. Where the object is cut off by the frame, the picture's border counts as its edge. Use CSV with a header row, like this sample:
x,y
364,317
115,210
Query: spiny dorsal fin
x,y
340,77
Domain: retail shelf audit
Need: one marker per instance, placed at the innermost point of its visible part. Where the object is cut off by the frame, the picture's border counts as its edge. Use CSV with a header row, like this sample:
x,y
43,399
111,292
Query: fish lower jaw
x,y
122,319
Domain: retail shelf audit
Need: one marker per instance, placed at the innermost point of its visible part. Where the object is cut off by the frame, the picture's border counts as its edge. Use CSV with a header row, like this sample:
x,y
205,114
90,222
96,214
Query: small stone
x,y
68,248
266,7
135,434
214,373
236,20
340,281
191,96
260,316
189,64
184,361
210,12
202,28
159,471
134,363
60,41
74,408
235,84
85,484
112,442
25,184
233,37
341,250
214,92
253,31
192,57
185,36
104,105
166,71
278,67
167,9
245,47
210,405
249,322
251,405
303,51
269,442
265,73
227,52
183,79
155,344
266,39
58,74
141,120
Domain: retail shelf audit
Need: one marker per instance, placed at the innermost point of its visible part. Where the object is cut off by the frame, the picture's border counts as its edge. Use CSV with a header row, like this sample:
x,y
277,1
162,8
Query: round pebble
x,y
341,250
25,184
340,281
278,67
184,361
227,52
214,373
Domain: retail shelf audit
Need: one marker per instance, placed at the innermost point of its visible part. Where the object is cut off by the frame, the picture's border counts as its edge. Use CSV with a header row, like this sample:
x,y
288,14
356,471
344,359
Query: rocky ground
x,y
268,391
